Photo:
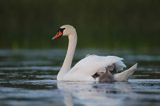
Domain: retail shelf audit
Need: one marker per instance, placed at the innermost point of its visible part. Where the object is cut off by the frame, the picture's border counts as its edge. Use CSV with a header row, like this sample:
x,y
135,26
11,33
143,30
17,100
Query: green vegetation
x,y
131,24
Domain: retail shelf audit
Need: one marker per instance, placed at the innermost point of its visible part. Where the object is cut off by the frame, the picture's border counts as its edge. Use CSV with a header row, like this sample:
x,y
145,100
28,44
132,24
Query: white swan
x,y
92,67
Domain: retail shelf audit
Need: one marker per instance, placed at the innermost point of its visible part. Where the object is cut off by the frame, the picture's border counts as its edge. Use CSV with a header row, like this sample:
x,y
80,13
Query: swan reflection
x,y
94,94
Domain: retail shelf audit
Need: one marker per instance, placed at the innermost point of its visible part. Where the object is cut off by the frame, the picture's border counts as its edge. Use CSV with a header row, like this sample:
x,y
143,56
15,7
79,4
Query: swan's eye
x,y
61,30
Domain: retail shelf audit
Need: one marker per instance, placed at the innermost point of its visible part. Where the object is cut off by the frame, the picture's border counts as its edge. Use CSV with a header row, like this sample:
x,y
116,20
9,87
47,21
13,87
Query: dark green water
x,y
131,24
28,78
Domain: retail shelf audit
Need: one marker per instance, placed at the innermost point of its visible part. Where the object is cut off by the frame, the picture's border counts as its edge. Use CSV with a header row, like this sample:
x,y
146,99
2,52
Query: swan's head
x,y
65,30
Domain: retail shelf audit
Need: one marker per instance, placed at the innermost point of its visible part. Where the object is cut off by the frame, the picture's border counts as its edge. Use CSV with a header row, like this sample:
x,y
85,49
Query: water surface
x,y
28,78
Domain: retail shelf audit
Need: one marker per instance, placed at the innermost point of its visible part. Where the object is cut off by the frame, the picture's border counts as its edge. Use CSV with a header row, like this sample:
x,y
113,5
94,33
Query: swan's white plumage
x,y
91,64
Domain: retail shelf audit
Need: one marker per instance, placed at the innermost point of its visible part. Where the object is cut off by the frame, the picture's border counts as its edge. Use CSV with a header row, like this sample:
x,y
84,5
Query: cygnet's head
x,y
65,30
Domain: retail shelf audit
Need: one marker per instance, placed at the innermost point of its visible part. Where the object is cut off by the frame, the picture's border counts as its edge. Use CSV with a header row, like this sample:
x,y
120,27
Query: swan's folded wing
x,y
93,63
120,66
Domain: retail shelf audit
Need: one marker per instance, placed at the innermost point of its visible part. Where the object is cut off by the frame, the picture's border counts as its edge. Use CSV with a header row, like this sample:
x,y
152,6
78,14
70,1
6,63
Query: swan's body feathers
x,y
92,64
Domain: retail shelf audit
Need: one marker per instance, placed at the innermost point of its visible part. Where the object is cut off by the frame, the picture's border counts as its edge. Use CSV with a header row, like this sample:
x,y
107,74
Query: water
x,y
28,78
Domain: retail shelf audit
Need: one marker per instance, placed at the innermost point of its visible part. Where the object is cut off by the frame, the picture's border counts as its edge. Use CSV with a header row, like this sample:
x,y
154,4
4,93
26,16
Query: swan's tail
x,y
123,76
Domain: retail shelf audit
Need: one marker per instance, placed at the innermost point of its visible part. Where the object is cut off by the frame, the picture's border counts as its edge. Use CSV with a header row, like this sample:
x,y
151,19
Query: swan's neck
x,y
69,56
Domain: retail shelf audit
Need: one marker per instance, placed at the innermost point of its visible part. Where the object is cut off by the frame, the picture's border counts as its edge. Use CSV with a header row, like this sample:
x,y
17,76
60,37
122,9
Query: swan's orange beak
x,y
58,34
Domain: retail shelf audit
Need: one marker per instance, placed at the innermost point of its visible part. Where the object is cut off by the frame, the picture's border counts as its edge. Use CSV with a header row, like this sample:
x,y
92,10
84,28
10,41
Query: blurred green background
x,y
109,24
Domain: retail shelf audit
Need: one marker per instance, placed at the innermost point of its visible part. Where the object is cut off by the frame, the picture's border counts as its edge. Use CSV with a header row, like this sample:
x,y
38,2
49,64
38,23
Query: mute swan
x,y
92,67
